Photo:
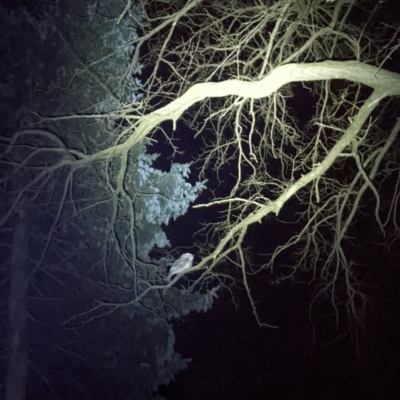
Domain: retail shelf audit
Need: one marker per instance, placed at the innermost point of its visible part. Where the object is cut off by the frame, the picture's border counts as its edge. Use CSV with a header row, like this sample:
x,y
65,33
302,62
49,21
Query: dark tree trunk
x,y
18,344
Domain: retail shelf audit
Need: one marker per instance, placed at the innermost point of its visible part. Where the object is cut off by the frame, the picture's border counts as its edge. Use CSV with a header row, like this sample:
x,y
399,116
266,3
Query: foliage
x,y
91,242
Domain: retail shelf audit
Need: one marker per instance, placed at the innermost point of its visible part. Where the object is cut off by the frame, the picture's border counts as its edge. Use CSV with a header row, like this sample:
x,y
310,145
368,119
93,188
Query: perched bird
x,y
182,264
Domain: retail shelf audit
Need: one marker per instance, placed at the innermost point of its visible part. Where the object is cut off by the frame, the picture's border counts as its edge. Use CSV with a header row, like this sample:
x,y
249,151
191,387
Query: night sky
x,y
308,355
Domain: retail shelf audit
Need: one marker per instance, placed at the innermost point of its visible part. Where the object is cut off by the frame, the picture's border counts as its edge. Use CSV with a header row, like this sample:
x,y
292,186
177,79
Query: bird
x,y
182,264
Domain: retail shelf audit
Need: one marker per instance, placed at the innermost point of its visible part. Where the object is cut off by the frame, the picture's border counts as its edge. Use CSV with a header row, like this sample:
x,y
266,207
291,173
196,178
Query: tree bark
x,y
18,345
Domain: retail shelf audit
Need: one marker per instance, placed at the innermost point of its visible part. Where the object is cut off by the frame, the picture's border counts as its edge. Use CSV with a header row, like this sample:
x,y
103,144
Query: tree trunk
x,y
18,344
